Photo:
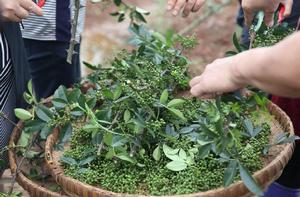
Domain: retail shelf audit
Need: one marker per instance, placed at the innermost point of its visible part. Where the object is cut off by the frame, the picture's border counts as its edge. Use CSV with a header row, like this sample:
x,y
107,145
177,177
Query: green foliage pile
x,y
271,36
264,36
130,132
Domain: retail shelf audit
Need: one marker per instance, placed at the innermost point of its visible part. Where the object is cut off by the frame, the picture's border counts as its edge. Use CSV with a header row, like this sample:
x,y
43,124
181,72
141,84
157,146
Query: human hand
x,y
269,7
16,10
188,6
217,78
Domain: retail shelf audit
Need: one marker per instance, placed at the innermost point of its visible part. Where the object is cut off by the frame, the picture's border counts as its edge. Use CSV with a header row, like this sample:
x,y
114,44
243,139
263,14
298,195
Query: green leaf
x,y
169,151
91,127
260,19
121,17
230,53
127,115
249,126
164,97
61,93
59,103
249,181
125,158
118,2
90,66
178,113
176,103
65,133
34,125
110,154
236,43
45,132
117,93
22,114
114,13
156,153
142,11
204,150
87,160
118,141
108,94
186,130
43,113
140,17
30,87
230,173
74,95
91,102
182,154
97,138
28,98
176,165
24,139
68,160
107,139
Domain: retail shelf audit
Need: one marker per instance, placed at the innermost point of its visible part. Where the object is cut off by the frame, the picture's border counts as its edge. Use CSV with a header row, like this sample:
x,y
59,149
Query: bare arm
x,y
274,69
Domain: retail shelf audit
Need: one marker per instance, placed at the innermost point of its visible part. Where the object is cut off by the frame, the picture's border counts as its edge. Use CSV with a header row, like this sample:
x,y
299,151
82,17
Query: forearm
x,y
275,69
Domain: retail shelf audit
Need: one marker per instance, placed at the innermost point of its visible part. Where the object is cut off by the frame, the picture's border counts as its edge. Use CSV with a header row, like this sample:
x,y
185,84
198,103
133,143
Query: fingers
x,y
198,5
288,4
195,81
179,4
269,18
14,18
171,4
188,7
9,15
197,90
249,16
31,7
21,13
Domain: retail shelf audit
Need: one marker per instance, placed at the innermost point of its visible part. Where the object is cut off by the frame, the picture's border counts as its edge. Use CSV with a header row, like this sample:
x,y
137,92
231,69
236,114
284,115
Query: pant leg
x,y
48,66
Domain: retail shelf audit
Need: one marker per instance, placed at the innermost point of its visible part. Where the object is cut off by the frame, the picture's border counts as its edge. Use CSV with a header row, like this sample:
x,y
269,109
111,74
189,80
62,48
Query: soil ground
x,y
103,37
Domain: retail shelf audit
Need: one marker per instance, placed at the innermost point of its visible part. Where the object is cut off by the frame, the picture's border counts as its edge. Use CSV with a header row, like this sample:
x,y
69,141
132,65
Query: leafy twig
x,y
19,165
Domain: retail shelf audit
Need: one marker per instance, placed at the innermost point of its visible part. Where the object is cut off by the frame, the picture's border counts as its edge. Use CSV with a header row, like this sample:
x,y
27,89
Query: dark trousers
x,y
48,66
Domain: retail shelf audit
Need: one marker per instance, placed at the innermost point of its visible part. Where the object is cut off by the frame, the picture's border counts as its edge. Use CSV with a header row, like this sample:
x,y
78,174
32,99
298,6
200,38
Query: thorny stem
x,y
9,120
252,38
73,31
19,165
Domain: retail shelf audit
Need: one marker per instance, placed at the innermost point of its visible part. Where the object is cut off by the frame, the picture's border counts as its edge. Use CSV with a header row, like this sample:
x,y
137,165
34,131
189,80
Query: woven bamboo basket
x,y
33,188
264,177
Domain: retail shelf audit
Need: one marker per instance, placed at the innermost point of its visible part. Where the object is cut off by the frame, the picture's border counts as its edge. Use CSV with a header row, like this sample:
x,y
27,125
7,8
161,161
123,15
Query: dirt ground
x,y
104,36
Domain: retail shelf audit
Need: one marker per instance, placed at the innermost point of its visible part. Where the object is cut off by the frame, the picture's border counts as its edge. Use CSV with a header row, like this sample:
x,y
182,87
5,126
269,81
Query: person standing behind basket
x,y
46,40
13,64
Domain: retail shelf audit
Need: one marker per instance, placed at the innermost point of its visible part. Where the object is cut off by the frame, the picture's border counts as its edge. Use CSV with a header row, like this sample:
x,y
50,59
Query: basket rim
x,y
275,165
21,178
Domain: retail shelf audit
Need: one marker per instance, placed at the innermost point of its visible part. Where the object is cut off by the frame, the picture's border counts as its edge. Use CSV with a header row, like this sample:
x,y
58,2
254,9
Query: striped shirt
x,y
7,96
55,24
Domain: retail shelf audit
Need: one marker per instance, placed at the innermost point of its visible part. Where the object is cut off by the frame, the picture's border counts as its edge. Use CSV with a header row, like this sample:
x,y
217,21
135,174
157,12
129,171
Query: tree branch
x,y
73,31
